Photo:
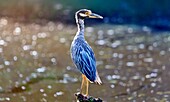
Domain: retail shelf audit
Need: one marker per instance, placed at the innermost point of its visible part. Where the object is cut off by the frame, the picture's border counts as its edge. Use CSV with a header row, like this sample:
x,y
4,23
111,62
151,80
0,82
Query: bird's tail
x,y
98,80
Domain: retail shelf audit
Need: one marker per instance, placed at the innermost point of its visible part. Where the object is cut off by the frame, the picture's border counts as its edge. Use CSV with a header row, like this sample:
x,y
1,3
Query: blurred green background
x,y
144,12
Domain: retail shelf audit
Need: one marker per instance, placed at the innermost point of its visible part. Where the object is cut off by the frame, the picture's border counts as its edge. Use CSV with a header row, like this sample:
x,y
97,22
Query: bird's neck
x,y
80,25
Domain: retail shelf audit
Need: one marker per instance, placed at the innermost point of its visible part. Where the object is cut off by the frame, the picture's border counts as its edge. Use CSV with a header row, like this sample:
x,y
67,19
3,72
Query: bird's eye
x,y
87,13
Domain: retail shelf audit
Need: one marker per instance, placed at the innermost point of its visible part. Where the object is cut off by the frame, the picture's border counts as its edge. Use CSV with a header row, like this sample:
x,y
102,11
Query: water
x,y
35,65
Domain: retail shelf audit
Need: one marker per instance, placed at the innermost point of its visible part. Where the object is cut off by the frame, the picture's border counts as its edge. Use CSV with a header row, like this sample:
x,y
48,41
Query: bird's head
x,y
84,13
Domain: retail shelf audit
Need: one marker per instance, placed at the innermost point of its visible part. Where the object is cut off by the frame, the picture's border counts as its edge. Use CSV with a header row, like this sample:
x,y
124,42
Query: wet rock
x,y
83,98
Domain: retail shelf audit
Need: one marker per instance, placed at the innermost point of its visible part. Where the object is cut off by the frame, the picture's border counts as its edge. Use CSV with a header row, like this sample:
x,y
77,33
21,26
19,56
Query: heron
x,y
82,54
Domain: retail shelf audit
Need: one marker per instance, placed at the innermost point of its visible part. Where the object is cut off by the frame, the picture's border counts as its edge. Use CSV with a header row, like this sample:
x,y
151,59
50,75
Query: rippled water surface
x,y
35,64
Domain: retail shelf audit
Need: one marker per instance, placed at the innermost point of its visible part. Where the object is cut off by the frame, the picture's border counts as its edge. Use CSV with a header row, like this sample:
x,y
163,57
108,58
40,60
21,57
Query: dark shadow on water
x,y
28,81
142,87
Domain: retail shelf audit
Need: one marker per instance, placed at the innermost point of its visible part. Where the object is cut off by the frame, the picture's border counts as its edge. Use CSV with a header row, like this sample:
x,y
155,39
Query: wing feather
x,y
84,60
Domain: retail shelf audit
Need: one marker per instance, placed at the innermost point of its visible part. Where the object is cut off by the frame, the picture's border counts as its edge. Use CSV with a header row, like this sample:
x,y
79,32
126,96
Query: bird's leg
x,y
82,84
87,87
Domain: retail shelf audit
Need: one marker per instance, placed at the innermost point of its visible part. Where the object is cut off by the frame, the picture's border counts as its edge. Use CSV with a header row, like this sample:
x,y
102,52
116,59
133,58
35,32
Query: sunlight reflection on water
x,y
35,61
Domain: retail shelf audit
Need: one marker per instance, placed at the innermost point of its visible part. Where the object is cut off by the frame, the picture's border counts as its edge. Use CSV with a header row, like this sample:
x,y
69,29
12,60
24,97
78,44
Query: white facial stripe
x,y
83,15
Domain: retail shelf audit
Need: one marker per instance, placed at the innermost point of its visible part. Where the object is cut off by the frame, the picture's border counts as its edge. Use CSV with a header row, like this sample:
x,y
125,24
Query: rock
x,y
83,98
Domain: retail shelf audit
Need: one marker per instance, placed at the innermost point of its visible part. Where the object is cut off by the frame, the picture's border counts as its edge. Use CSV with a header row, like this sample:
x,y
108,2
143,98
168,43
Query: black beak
x,y
93,15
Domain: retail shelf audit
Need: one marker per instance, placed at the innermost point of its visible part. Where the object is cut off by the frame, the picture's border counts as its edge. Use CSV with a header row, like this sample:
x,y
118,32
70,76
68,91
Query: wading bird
x,y
82,54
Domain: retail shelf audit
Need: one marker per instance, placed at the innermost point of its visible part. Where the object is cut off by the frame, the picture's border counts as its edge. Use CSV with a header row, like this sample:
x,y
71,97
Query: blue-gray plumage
x,y
81,53
83,58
